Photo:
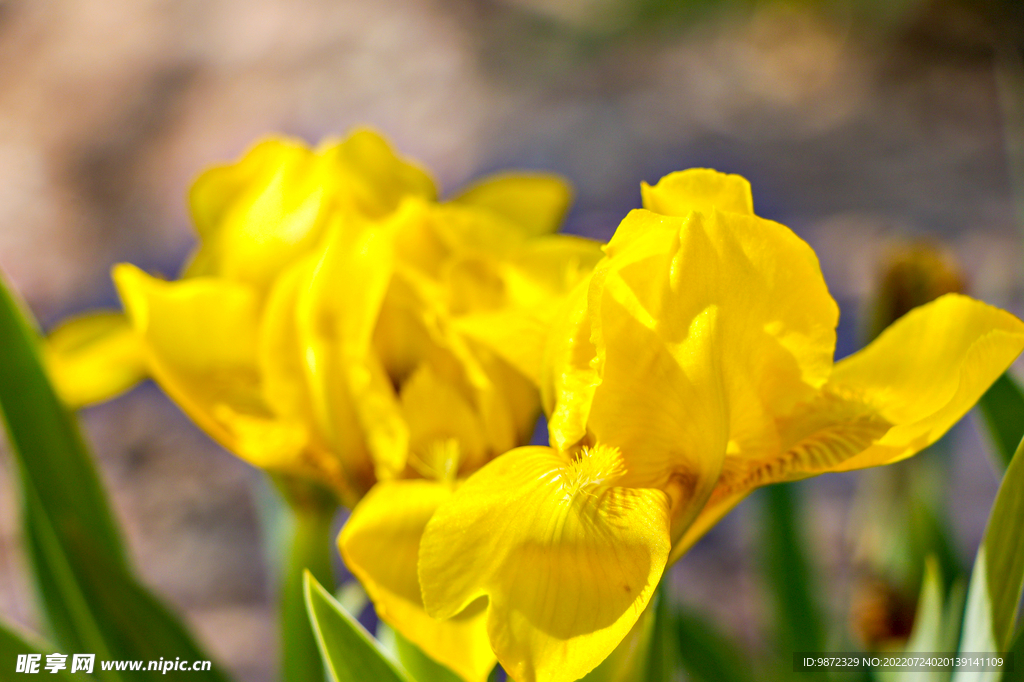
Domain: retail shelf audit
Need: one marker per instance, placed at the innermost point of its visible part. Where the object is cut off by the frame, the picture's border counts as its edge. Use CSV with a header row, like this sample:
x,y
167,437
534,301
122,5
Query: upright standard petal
x,y
371,177
566,558
380,544
256,215
698,189
705,329
337,311
536,203
94,357
259,214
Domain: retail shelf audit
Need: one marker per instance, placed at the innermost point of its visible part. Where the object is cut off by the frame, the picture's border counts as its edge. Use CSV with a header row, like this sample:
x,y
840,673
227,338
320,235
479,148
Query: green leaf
x,y
998,576
1002,408
46,439
93,602
13,644
929,625
707,654
349,652
1017,649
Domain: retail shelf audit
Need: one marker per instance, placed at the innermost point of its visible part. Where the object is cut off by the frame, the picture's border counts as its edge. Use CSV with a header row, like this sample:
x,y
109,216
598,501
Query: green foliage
x,y
1017,674
1002,408
787,570
707,654
349,652
13,644
998,577
90,597
930,632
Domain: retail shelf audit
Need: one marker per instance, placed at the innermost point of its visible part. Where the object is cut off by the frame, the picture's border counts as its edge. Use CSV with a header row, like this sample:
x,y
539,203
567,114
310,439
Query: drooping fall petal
x,y
566,558
199,339
93,358
885,403
380,544
926,371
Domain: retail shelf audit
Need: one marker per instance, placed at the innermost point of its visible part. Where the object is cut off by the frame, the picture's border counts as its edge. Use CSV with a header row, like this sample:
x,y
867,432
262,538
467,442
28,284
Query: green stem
x,y
308,544
789,573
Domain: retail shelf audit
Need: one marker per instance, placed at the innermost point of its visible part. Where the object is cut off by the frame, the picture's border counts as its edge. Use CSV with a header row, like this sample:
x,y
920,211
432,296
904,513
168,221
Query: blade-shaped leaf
x,y
998,576
1002,408
1017,649
928,632
349,652
14,644
47,441
93,602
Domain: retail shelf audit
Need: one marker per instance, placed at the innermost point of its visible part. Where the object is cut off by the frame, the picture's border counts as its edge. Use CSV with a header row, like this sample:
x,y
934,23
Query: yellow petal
x,y
568,376
380,544
536,281
373,179
416,328
926,371
567,559
337,310
536,203
437,413
256,215
698,189
883,404
281,355
93,358
199,337
706,329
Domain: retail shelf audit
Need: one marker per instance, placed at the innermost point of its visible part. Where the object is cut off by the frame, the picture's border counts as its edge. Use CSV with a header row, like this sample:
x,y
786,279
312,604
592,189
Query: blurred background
x,y
869,127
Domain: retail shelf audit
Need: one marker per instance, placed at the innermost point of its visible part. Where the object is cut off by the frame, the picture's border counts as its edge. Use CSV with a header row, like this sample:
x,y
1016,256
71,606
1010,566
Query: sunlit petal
x,y
256,215
926,371
93,358
698,189
380,544
883,404
535,203
567,559
199,337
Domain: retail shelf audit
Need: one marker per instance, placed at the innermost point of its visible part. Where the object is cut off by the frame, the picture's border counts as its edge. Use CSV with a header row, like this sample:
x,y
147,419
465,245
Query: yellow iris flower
x,y
694,365
334,322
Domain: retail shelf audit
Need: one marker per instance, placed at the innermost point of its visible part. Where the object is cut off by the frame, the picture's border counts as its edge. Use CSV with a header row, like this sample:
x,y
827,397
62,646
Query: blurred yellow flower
x,y
331,322
694,365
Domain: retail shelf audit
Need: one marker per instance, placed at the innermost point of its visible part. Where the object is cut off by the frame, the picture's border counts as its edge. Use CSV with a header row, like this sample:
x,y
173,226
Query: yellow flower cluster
x,y
339,323
331,323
